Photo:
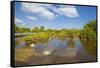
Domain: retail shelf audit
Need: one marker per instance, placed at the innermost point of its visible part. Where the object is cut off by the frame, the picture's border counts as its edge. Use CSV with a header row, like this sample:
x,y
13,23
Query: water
x,y
61,51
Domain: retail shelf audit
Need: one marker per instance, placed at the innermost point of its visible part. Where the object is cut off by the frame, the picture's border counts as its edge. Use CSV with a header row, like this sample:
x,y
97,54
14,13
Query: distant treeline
x,y
88,31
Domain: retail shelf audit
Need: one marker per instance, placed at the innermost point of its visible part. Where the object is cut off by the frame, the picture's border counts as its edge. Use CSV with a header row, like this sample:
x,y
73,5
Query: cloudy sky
x,y
55,16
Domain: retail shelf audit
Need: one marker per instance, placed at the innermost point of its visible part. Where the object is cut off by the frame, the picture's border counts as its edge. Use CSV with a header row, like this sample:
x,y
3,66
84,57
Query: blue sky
x,y
53,16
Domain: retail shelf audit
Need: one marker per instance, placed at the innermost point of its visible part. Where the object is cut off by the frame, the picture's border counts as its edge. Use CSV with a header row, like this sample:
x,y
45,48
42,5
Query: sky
x,y
53,16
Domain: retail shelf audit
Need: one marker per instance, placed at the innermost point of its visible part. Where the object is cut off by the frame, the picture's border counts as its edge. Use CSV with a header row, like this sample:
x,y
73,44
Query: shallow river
x,y
61,51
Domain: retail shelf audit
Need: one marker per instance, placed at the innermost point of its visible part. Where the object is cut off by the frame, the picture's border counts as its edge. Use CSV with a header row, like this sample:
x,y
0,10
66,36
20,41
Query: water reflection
x,y
60,51
90,46
21,45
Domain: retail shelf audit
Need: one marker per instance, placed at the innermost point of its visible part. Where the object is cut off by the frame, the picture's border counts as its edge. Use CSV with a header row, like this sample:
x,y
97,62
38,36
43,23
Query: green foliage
x,y
21,29
89,30
62,34
73,33
91,25
37,29
42,36
42,29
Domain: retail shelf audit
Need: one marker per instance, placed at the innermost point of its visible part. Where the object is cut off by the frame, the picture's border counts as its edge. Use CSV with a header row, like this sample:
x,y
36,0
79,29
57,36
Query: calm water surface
x,y
60,51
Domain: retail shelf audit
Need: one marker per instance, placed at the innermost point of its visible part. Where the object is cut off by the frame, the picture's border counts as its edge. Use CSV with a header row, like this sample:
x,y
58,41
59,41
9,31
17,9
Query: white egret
x,y
32,45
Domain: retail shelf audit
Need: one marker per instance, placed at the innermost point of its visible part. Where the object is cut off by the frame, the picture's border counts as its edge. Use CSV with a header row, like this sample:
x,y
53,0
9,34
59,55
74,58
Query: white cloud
x,y
19,22
66,10
38,9
48,11
31,18
69,11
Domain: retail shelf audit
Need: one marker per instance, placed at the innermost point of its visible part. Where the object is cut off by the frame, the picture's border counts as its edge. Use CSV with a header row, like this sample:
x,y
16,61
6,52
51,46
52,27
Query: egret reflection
x,y
46,52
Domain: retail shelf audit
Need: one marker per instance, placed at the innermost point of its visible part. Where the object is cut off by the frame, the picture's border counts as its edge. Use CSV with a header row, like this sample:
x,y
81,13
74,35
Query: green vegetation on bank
x,y
42,34
21,29
89,30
